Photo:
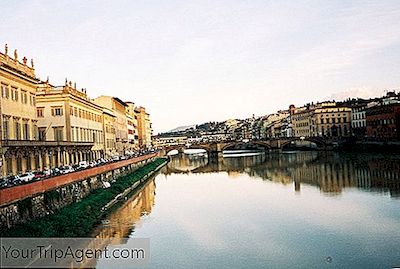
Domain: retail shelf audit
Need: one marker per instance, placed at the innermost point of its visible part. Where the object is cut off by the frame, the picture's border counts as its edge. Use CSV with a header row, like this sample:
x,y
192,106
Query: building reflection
x,y
120,224
115,230
329,171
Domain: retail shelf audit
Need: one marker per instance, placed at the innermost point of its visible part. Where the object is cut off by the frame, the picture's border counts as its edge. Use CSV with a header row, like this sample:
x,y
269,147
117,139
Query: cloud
x,y
227,59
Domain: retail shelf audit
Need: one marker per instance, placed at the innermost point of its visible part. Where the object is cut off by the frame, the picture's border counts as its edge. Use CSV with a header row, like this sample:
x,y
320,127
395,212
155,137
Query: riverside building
x,y
22,147
18,123
118,108
66,115
145,130
323,119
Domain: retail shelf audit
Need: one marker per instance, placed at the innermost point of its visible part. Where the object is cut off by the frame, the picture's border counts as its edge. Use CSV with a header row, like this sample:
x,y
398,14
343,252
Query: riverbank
x,y
370,146
78,219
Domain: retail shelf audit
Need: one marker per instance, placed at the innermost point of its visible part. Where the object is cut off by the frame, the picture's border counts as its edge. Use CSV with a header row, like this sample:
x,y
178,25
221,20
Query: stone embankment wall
x,y
22,203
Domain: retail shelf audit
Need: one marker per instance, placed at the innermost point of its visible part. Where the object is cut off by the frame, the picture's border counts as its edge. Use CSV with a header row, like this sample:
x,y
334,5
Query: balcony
x,y
38,143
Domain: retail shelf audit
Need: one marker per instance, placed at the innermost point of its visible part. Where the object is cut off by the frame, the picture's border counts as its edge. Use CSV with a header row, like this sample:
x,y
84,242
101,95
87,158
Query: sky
x,y
195,61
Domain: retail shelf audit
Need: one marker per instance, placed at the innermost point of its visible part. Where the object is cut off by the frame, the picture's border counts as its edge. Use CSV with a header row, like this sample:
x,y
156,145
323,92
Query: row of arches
x,y
311,142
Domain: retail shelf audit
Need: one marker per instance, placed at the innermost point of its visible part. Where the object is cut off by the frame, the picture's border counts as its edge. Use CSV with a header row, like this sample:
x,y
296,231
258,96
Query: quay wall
x,y
22,203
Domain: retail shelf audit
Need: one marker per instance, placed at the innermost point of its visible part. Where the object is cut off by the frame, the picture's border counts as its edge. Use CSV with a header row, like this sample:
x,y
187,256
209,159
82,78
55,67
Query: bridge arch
x,y
263,144
180,148
318,141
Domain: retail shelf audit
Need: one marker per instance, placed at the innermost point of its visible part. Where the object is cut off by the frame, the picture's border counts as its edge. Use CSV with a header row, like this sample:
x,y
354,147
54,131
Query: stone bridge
x,y
268,145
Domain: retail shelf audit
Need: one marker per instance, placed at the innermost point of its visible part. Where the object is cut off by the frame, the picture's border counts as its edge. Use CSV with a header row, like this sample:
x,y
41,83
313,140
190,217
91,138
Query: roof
x,y
120,101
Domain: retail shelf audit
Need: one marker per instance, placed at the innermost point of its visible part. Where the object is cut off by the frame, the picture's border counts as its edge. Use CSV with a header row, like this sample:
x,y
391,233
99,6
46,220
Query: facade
x,y
118,107
22,147
109,133
43,126
383,121
301,121
276,125
133,136
66,114
324,119
145,130
17,114
358,120
331,122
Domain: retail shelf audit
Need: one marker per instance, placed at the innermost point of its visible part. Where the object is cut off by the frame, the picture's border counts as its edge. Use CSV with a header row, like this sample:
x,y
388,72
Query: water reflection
x,y
331,172
122,222
245,212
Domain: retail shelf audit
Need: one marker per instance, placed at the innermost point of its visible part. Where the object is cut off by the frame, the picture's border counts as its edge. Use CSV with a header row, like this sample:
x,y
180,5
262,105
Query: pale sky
x,y
190,62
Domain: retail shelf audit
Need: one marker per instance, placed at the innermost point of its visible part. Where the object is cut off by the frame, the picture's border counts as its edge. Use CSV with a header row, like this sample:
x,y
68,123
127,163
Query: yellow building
x,y
331,121
145,130
118,107
133,137
323,119
66,114
18,124
21,149
109,133
301,122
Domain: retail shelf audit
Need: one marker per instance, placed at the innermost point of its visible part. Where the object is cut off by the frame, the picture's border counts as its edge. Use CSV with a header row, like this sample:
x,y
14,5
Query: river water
x,y
287,210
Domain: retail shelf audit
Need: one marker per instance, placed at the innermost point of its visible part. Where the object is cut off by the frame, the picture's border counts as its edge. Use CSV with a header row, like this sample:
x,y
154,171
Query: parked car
x,y
26,177
3,183
83,164
55,171
46,172
66,169
101,161
93,164
12,180
39,175
115,158
76,167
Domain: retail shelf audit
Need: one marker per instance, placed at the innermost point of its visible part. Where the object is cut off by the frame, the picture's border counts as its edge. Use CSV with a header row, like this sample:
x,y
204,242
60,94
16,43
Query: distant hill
x,y
181,128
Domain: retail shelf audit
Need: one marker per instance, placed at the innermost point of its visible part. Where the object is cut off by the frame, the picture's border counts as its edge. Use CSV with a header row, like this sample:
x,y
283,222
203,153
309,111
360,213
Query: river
x,y
286,210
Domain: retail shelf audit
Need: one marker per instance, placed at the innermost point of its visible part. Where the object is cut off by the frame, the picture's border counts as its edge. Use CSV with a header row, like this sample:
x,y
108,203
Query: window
x,y
57,111
73,133
42,133
4,91
40,112
26,131
28,163
24,97
58,133
31,99
14,94
17,130
9,167
71,111
19,164
35,130
6,132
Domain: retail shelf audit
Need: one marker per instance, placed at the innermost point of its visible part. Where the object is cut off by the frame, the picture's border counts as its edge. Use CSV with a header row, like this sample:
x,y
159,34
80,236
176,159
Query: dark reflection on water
x,y
289,210
330,171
